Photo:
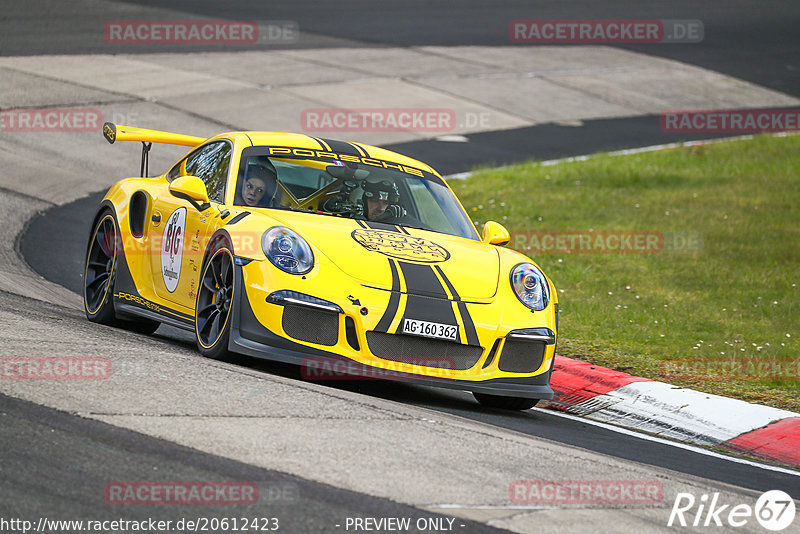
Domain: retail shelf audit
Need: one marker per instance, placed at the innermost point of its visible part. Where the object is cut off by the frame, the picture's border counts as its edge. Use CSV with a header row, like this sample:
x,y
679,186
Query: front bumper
x,y
334,355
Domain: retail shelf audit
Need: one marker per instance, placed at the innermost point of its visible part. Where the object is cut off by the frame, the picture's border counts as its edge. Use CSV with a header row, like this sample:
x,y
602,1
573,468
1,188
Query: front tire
x,y
214,303
504,403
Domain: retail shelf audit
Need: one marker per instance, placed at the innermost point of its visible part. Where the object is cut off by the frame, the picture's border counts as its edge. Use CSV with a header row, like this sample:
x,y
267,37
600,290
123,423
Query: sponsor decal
x,y
337,157
136,299
110,132
172,248
401,246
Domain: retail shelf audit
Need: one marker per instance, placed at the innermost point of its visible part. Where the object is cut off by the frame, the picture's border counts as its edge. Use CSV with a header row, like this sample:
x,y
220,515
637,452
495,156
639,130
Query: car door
x,y
181,230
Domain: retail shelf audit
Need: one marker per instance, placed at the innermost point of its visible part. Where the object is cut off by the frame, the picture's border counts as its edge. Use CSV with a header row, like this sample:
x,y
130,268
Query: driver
x,y
380,200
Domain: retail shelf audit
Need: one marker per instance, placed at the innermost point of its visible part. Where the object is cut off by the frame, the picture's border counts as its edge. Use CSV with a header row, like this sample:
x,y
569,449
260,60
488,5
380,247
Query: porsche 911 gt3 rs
x,y
319,252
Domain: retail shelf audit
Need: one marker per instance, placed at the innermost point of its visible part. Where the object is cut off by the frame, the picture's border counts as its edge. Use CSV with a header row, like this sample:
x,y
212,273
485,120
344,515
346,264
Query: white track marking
x,y
693,448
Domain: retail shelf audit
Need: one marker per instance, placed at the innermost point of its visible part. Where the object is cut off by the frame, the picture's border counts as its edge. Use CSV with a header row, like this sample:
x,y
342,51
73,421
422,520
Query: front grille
x,y
423,351
521,356
314,326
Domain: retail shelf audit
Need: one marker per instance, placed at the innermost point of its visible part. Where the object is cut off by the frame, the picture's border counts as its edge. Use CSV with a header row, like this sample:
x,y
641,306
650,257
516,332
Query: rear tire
x,y
215,296
102,254
99,269
504,403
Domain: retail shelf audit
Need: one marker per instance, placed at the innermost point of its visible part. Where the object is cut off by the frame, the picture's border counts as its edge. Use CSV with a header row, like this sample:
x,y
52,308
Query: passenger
x,y
254,190
260,186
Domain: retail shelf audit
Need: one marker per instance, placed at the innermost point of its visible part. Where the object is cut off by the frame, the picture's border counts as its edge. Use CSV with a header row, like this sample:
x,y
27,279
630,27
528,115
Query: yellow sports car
x,y
340,257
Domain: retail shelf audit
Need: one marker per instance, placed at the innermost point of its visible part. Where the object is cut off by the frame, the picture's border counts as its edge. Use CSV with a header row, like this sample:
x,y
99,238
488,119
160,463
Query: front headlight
x,y
287,250
530,286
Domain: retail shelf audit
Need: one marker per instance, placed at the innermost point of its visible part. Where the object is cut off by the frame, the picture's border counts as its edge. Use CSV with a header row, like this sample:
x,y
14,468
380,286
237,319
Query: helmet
x,y
381,190
263,170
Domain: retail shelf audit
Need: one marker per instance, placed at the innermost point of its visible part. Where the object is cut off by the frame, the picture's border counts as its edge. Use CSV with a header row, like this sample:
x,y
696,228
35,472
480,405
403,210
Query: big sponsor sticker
x,y
401,246
172,248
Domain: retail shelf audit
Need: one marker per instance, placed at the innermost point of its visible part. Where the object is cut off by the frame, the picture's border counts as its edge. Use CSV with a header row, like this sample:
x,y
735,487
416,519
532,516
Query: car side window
x,y
210,163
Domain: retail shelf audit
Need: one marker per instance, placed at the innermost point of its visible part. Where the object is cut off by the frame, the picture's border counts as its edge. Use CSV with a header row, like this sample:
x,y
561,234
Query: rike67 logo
x,y
774,510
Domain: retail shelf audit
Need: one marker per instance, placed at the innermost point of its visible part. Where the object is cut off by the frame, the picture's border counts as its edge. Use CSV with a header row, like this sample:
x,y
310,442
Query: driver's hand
x,y
396,211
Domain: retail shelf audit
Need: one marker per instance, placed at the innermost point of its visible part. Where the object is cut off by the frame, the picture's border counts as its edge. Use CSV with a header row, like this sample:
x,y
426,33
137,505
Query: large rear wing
x,y
116,132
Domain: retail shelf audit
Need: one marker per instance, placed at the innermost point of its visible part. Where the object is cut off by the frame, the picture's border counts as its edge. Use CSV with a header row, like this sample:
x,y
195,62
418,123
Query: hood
x,y
387,256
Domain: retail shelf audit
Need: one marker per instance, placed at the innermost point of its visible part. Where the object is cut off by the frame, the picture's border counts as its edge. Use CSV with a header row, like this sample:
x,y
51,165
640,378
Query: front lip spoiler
x,y
533,334
250,337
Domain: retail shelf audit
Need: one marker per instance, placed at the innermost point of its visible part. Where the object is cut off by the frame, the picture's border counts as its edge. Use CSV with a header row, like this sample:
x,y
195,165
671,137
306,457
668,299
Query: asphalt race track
x,y
42,240
318,452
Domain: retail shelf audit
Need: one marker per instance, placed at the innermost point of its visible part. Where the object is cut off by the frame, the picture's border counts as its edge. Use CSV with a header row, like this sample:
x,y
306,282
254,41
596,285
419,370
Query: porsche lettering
x,y
308,153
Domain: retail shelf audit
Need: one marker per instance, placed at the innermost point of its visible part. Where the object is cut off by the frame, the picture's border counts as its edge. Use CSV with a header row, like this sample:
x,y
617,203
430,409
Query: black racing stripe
x,y
469,325
321,143
394,301
382,226
361,150
402,229
361,223
421,280
447,282
341,147
427,300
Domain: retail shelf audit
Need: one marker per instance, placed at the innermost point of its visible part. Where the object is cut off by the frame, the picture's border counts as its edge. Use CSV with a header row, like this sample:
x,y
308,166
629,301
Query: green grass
x,y
734,295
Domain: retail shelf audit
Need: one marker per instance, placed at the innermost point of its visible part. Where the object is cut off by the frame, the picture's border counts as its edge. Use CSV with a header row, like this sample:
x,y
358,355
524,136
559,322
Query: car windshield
x,y
360,188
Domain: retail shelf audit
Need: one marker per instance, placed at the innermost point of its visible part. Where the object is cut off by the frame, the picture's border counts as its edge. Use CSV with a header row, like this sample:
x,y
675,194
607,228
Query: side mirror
x,y
495,234
190,188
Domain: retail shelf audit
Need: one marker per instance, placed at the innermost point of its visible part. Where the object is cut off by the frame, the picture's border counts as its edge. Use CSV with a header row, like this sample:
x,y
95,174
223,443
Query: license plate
x,y
428,329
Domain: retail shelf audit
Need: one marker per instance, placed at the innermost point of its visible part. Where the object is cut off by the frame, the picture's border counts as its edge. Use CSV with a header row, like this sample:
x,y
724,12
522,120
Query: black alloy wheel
x,y
214,302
